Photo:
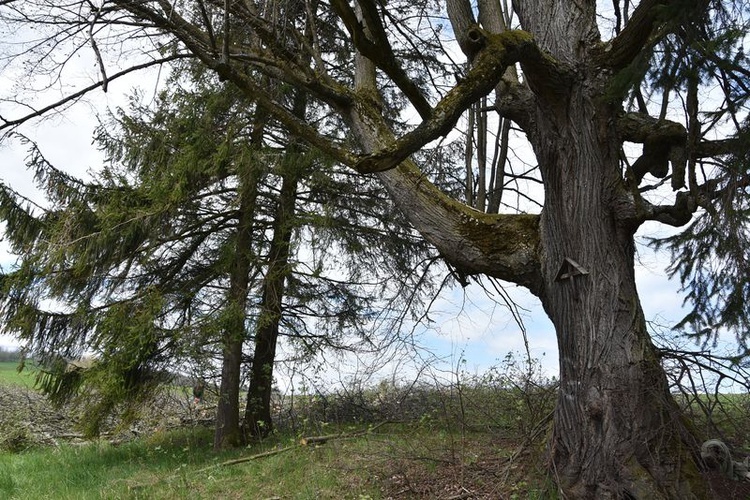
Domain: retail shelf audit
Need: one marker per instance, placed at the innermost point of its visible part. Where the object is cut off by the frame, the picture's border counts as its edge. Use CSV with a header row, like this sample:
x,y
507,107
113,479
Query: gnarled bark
x,y
617,431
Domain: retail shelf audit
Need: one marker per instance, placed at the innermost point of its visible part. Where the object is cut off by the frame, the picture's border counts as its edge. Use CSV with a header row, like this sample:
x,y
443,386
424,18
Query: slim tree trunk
x,y
469,159
227,428
227,431
258,421
481,118
497,183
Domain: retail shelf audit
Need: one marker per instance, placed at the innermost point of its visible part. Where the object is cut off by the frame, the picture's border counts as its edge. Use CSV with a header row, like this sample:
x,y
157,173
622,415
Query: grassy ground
x,y
9,374
396,461
463,442
418,458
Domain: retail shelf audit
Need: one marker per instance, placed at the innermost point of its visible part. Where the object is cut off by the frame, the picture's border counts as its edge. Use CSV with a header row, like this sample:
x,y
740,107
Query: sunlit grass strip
x,y
170,465
9,374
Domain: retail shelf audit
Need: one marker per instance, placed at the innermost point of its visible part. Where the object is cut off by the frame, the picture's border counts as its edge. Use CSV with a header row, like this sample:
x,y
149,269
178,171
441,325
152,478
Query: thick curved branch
x,y
497,53
687,202
676,215
504,246
665,140
708,149
634,36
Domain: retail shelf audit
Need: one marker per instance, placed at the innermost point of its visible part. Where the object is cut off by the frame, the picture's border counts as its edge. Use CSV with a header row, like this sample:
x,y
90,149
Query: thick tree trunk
x,y
617,431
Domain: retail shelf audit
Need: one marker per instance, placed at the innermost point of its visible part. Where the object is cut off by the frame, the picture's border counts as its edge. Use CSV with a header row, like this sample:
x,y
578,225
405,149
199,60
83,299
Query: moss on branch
x,y
504,246
497,53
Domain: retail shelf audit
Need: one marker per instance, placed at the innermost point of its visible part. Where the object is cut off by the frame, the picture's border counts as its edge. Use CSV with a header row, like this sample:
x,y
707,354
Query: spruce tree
x,y
178,254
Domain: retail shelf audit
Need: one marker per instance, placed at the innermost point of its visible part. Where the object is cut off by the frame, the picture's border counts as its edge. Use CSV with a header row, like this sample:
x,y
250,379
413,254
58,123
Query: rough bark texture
x,y
258,421
617,432
502,246
227,431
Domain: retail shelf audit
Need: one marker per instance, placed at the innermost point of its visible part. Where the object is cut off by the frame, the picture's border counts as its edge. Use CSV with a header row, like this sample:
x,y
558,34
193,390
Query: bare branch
x,y
634,36
498,52
11,123
98,54
377,48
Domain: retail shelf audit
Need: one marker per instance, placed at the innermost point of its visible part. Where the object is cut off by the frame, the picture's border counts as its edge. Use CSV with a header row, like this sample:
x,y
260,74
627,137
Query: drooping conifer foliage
x,y
634,112
138,268
700,61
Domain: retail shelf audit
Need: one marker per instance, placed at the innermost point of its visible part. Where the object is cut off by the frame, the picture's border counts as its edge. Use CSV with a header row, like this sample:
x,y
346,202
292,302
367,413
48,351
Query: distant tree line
x,y
10,354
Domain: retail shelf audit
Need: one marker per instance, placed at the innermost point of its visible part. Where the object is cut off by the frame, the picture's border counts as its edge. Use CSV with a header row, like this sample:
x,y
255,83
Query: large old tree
x,y
579,82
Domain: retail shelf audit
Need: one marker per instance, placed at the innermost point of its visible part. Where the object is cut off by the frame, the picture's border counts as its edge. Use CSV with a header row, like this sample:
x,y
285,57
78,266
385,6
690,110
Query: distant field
x,y
9,374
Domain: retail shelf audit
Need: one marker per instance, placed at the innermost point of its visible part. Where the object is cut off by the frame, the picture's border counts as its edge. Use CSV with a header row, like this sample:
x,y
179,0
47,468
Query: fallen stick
x,y
305,441
345,435
235,461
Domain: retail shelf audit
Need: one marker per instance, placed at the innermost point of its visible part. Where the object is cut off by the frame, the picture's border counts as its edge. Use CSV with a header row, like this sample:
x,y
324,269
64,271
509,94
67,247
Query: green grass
x,y
180,464
9,374
432,457
728,417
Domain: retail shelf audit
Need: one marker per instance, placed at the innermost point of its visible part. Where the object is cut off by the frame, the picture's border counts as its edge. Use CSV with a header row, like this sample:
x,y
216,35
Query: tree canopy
x,y
140,262
634,112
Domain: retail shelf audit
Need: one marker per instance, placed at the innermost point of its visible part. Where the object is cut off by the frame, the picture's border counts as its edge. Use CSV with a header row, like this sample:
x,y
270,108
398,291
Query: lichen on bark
x,y
504,246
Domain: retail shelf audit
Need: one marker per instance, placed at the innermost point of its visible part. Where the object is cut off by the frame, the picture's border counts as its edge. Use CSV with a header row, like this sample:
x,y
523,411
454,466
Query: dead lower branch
x,y
10,123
